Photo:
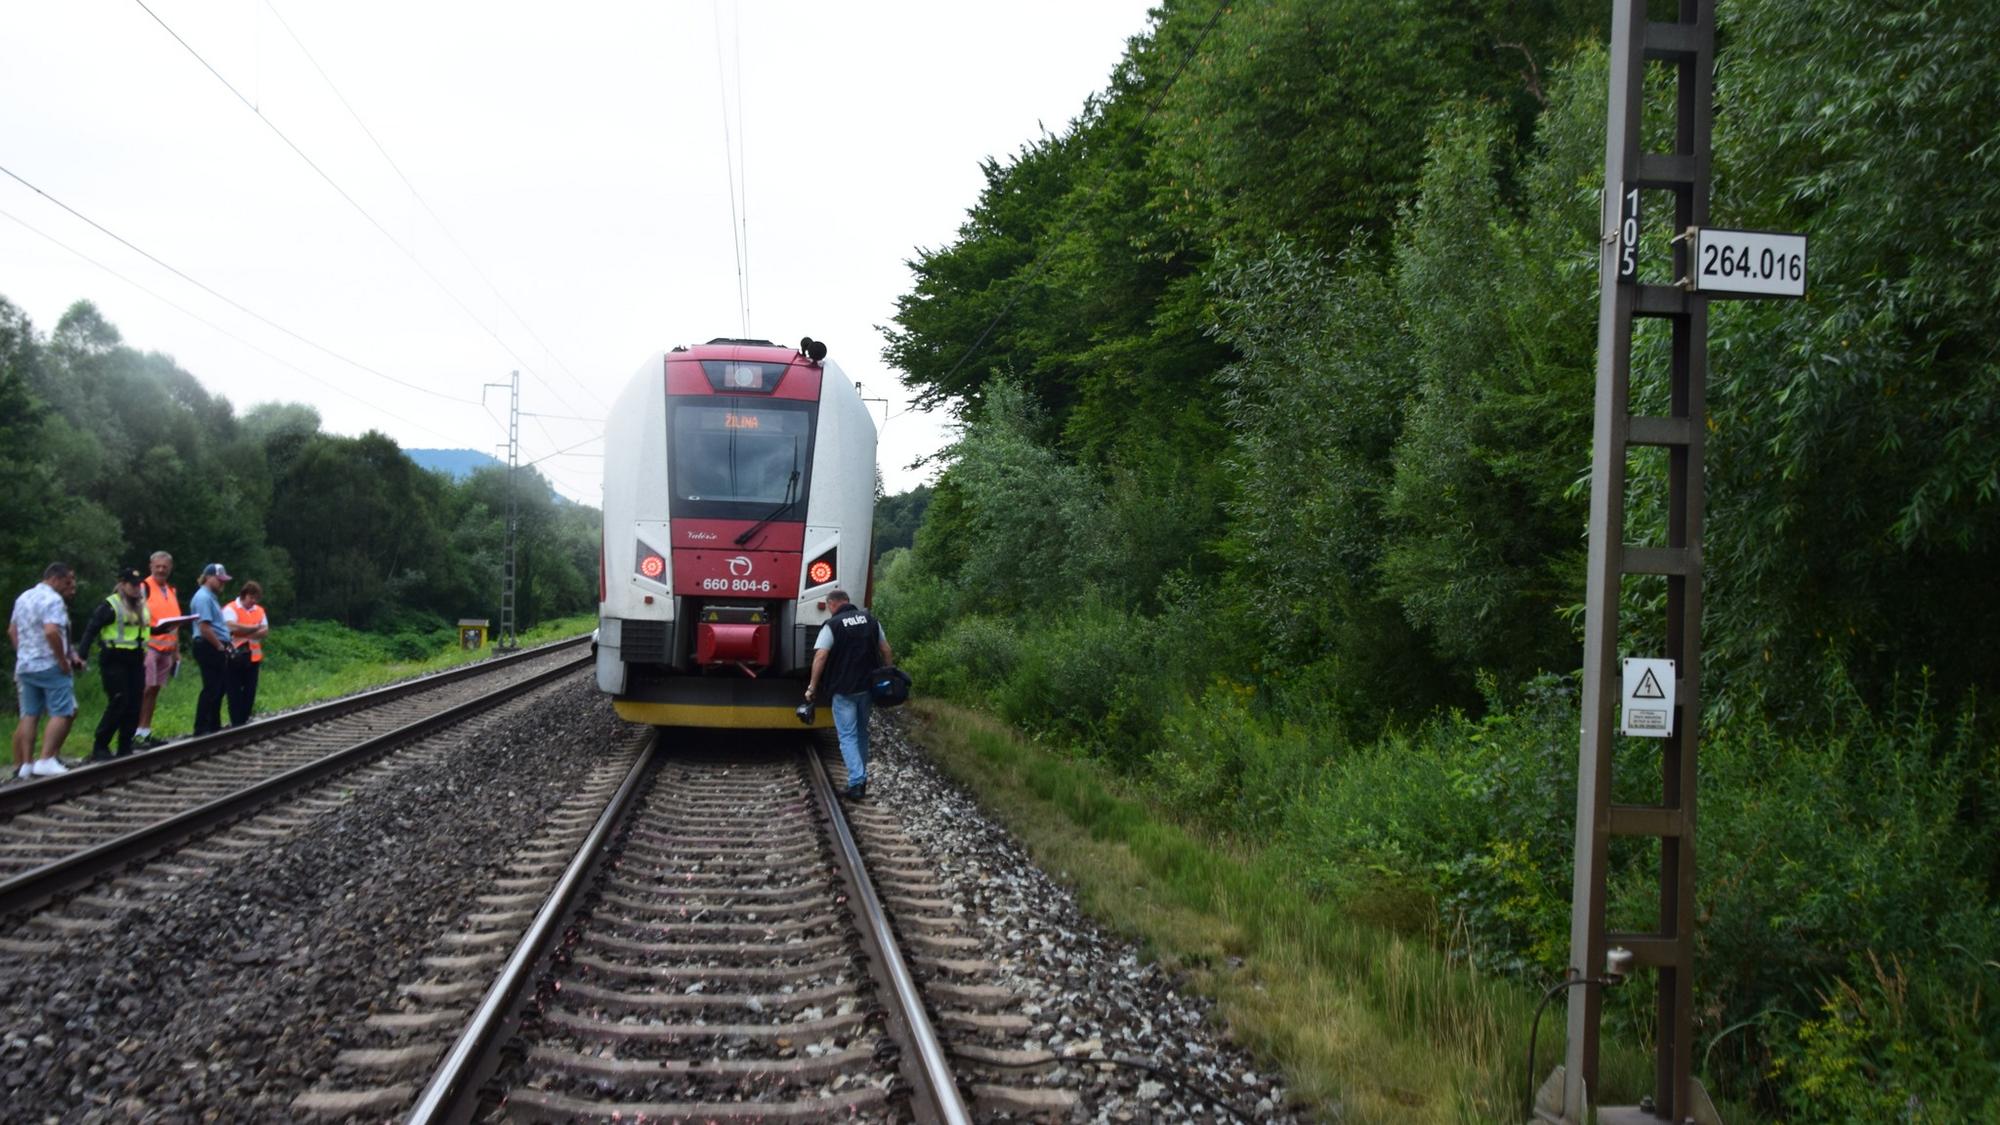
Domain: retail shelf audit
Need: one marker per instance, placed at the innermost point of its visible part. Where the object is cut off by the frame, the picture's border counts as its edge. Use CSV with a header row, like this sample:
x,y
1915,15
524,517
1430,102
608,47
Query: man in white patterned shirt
x,y
44,665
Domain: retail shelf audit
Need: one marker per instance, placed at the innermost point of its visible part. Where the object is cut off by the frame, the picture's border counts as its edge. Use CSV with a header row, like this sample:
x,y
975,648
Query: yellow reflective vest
x,y
128,629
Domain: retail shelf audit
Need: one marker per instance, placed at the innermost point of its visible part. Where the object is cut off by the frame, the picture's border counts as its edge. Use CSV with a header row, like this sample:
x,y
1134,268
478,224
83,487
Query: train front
x,y
739,488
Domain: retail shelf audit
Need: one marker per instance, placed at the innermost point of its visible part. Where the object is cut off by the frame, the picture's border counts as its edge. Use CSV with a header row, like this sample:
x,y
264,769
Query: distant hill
x,y
462,463
458,463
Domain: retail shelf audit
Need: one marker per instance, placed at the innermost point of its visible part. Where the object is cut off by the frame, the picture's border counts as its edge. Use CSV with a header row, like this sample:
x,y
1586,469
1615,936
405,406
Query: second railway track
x,y
60,835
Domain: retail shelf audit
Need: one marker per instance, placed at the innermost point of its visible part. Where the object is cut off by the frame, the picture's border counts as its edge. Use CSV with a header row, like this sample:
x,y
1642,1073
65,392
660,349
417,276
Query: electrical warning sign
x,y
1649,697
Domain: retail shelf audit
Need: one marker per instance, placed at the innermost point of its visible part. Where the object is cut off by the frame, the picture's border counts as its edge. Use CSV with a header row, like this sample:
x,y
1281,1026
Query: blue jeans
x,y
850,722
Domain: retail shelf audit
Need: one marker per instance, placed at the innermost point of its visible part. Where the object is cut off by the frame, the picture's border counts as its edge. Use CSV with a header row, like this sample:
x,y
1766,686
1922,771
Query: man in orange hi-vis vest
x,y
163,651
248,625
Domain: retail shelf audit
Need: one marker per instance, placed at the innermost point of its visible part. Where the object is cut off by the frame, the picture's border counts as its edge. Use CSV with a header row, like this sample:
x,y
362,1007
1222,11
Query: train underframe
x,y
718,664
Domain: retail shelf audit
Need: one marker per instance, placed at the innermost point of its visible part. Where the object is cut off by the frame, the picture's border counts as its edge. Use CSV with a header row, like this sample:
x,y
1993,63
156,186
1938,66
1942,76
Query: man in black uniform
x,y
843,655
121,624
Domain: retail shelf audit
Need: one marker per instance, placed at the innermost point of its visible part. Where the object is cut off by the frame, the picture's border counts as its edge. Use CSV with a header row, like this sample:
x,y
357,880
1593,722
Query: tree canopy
x,y
108,454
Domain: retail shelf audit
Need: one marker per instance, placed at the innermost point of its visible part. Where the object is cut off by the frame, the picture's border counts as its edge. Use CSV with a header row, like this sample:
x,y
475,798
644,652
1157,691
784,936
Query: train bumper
x,y
732,703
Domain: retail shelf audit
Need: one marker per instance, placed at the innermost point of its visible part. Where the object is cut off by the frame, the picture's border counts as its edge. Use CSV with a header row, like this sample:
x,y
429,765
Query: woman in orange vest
x,y
248,625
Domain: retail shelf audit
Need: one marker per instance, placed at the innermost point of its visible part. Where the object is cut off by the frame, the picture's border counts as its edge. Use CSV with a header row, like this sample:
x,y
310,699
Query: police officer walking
x,y
845,652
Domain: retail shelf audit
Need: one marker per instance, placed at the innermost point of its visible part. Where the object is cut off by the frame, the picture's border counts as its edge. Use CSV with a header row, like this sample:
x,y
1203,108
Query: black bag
x,y
888,686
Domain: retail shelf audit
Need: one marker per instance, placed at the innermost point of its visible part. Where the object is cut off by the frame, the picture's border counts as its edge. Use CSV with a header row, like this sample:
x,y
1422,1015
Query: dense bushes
x,y
1273,482
1848,924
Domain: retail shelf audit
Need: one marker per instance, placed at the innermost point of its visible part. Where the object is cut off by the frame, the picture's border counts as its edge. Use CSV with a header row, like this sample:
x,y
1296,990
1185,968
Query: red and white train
x,y
739,487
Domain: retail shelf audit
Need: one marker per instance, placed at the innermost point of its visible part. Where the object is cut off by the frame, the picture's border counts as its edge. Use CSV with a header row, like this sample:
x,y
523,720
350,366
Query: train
x,y
739,489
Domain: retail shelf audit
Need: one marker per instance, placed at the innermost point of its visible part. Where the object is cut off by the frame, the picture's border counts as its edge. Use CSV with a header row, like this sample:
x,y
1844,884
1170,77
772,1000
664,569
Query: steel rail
x,y
17,799
936,1099
32,888
453,1092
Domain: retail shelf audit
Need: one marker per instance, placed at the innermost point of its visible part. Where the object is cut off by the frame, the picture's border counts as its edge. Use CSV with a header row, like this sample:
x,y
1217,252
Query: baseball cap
x,y
216,570
131,574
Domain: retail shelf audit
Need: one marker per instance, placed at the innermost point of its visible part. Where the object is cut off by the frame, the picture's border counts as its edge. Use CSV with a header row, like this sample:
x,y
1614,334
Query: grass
x,y
308,662
1367,1024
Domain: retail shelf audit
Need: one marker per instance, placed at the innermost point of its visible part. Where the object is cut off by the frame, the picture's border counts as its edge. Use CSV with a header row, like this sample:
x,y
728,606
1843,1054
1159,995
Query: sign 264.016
x,y
1753,262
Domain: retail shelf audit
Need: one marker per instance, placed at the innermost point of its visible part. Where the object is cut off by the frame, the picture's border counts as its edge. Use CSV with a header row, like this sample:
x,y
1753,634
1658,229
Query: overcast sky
x,y
575,152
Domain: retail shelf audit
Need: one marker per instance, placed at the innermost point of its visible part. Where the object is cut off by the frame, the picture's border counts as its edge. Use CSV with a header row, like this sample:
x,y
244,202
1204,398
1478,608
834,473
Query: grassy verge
x,y
308,662
1368,1024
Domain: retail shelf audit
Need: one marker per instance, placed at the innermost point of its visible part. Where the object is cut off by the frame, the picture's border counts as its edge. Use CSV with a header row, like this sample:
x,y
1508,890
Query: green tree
x,y
897,518
359,522
1487,546
1012,524
1855,435
1307,119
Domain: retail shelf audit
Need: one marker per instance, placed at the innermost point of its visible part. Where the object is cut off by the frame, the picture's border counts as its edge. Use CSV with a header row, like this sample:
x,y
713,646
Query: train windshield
x,y
740,457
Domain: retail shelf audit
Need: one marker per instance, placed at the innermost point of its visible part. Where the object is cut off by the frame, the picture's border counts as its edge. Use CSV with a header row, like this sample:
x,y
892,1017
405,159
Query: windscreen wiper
x,y
791,494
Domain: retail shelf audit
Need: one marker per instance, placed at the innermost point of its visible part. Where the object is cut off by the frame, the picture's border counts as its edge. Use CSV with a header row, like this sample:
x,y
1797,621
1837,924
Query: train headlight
x,y
742,376
821,570
652,566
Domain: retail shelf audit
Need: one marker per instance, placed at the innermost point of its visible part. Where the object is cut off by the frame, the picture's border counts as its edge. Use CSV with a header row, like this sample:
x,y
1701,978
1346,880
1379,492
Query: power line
x,y
30,227
742,149
543,426
729,150
230,301
425,203
267,353
1041,262
561,452
363,211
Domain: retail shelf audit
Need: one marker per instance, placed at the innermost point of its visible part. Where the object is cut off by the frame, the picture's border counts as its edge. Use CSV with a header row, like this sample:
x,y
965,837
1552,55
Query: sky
x,y
378,208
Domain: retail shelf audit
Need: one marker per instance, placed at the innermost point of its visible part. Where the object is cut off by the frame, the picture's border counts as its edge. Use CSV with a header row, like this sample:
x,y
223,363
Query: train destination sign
x,y
1649,697
1751,262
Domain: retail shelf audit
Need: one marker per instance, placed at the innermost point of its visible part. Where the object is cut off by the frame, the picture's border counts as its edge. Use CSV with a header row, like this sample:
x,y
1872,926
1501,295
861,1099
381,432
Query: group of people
x,y
137,630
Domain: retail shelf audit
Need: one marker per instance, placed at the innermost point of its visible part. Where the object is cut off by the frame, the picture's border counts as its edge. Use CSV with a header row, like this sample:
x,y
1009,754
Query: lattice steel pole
x,y
508,641
1688,46
504,635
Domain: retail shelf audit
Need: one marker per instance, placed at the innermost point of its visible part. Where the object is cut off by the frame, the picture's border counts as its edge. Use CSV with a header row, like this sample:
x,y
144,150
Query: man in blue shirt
x,y
211,648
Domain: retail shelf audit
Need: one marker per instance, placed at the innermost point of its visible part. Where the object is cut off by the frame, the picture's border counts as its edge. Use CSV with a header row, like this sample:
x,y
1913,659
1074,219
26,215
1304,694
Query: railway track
x,y
523,919
714,950
60,835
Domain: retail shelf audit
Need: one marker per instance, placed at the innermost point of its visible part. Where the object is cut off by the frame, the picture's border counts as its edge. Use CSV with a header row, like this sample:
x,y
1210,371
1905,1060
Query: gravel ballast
x,y
1089,992
224,998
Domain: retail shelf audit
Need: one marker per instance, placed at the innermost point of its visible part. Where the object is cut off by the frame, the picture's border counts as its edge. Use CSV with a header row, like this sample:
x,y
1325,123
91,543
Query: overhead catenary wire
x,y
197,317
543,426
373,405
240,307
352,202
228,300
562,452
1040,262
730,159
742,168
425,203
